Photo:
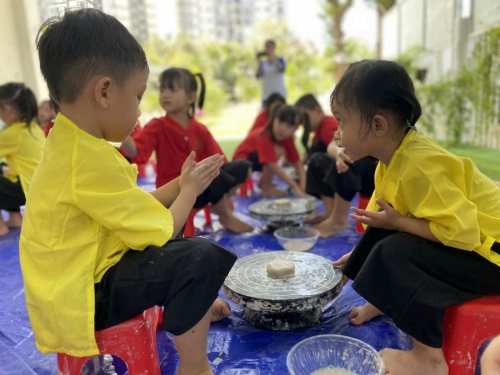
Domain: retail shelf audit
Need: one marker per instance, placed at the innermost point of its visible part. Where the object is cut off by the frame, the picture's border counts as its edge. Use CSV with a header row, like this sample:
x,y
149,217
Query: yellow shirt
x,y
425,181
22,146
84,211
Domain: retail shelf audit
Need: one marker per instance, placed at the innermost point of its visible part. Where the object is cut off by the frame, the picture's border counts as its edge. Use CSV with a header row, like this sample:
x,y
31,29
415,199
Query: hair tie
x,y
410,125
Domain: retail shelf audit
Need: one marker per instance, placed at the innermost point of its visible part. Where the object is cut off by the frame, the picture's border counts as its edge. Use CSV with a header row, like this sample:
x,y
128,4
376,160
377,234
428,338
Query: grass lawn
x,y
486,159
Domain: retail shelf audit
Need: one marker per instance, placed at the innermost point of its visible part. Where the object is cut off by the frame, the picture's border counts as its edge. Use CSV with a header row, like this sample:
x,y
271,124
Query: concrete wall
x,y
19,23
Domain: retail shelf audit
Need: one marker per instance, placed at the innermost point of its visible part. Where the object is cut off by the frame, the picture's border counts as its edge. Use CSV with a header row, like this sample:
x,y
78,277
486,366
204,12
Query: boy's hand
x,y
198,176
386,219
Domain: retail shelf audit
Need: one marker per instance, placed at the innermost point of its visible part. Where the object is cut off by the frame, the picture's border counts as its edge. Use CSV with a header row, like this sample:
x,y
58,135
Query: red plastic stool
x,y
466,328
133,341
246,187
362,203
189,228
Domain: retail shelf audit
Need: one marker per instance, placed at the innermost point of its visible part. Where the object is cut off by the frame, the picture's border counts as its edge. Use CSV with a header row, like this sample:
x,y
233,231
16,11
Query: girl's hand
x,y
342,161
302,184
340,263
199,176
5,170
298,192
386,219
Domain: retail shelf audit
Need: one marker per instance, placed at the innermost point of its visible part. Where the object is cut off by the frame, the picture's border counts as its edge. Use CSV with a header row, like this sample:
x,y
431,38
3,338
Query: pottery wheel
x,y
266,209
283,304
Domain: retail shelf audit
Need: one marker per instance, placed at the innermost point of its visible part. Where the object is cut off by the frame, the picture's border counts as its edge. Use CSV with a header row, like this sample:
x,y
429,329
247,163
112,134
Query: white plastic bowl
x,y
297,238
334,351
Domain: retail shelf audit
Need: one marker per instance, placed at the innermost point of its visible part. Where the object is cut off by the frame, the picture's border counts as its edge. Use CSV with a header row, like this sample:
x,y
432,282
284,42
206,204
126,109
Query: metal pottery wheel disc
x,y
315,283
300,209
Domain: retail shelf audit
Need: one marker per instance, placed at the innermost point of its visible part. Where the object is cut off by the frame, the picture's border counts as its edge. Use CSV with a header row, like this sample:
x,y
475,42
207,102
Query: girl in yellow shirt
x,y
433,235
22,145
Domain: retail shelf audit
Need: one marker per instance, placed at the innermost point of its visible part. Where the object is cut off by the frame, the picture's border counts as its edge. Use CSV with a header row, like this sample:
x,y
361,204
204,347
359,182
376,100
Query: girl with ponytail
x,y
174,136
22,144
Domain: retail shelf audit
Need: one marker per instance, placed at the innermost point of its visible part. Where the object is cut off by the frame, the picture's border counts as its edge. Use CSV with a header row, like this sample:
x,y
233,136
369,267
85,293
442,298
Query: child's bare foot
x,y
234,224
195,370
329,228
316,219
4,230
272,192
363,314
15,220
220,310
417,361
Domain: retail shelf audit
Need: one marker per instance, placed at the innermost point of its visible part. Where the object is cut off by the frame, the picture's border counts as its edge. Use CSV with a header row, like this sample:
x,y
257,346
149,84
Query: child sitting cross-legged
x,y
96,250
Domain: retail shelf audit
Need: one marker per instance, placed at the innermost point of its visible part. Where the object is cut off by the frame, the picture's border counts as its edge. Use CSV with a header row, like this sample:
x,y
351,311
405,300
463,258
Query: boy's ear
x,y
102,91
318,110
380,125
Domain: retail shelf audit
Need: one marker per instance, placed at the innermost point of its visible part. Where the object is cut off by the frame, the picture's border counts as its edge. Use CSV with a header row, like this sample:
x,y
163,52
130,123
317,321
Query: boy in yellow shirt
x,y
96,250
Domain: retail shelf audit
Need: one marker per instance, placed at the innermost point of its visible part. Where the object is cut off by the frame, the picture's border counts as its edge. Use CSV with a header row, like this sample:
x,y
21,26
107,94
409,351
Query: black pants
x,y
11,195
184,276
324,180
413,280
231,174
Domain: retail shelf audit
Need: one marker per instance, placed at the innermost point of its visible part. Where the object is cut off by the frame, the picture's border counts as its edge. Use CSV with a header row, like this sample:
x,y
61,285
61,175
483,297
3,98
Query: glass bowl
x,y
297,238
334,351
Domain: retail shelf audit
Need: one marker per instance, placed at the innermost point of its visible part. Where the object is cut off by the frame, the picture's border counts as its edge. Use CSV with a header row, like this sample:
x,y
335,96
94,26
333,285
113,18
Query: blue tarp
x,y
235,347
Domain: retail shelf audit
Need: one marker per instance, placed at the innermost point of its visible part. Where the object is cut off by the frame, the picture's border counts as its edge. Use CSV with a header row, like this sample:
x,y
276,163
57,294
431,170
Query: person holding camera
x,y
271,71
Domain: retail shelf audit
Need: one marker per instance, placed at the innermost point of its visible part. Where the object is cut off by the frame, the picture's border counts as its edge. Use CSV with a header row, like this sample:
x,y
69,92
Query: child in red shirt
x,y
263,118
324,127
264,147
174,136
331,175
46,116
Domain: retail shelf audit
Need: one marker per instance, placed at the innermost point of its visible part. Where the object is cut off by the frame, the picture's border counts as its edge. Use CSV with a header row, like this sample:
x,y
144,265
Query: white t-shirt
x,y
272,78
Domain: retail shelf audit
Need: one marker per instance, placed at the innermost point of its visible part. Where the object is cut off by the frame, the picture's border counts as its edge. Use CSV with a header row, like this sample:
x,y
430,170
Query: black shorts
x,y
324,180
11,195
231,174
184,276
413,280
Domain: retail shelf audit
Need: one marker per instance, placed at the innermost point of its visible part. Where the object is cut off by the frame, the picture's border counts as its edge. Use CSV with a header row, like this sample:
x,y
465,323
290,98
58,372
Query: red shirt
x,y
46,129
261,143
326,130
173,144
134,135
260,122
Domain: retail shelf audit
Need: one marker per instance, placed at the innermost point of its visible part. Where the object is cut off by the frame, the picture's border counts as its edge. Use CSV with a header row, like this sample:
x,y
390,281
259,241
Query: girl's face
x,y
176,100
8,114
45,113
351,133
283,130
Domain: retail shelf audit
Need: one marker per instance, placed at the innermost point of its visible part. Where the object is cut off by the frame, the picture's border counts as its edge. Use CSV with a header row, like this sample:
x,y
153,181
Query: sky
x,y
359,22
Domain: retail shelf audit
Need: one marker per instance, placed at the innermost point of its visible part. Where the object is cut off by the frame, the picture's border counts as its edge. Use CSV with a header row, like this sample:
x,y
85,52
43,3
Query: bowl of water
x,y
334,355
297,238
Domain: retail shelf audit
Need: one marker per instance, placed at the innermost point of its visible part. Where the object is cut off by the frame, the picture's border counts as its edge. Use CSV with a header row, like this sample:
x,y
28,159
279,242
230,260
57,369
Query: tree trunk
x,y
338,36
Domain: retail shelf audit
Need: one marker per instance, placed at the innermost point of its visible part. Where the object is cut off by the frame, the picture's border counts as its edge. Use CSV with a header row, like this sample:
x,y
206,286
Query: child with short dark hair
x,y
263,148
96,249
174,136
433,235
21,143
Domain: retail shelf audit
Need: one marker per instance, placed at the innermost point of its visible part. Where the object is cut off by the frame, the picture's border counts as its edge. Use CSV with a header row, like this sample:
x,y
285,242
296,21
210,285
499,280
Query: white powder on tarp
x,y
332,371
